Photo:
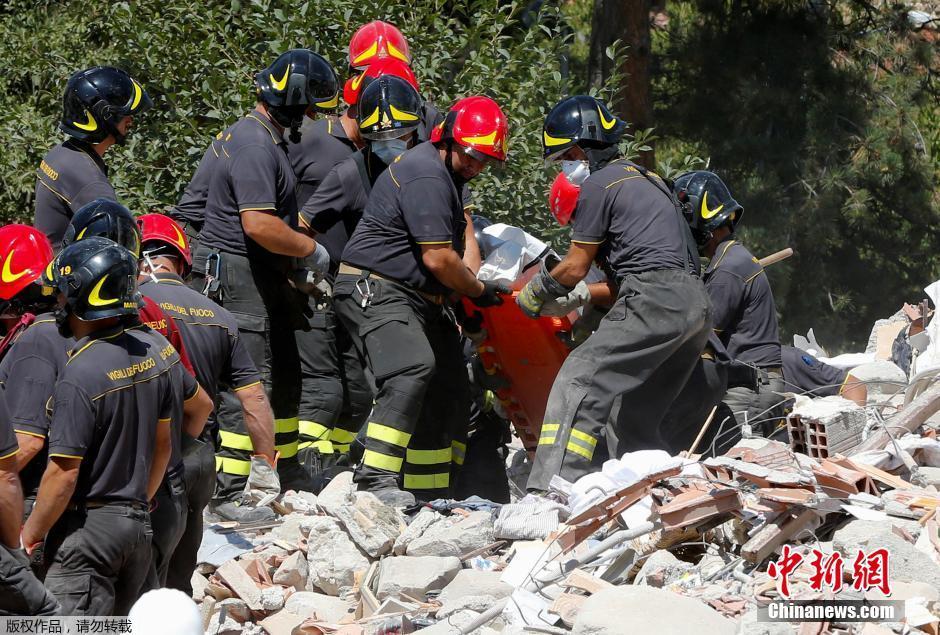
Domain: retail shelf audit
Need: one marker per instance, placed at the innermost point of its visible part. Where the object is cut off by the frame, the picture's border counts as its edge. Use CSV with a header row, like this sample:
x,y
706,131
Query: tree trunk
x,y
629,22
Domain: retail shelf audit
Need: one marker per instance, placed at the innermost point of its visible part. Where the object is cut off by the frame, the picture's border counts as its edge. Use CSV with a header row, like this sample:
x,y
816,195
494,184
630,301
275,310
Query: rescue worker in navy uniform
x,y
20,592
323,145
649,342
389,110
99,106
32,351
115,222
190,211
805,374
109,436
246,260
744,316
413,247
220,360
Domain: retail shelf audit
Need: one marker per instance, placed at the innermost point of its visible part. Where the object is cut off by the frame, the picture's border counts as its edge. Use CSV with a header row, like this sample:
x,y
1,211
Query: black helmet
x,y
97,99
297,81
706,202
105,218
98,278
389,108
583,121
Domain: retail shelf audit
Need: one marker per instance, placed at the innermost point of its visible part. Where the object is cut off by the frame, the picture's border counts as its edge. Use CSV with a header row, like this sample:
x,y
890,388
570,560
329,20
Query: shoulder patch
x,y
48,171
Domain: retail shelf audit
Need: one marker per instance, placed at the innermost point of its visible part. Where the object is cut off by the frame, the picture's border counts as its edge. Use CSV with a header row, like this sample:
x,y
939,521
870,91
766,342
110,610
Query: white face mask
x,y
575,171
389,149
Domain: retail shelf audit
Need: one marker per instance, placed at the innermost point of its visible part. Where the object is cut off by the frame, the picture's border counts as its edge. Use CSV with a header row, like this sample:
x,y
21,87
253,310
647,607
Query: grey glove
x,y
319,261
577,297
539,290
263,484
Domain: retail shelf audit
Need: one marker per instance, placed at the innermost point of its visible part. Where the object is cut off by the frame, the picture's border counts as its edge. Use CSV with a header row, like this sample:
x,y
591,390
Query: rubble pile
x,y
652,543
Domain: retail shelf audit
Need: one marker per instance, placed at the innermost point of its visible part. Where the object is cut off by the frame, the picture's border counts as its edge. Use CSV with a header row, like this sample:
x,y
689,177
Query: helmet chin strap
x,y
153,267
458,180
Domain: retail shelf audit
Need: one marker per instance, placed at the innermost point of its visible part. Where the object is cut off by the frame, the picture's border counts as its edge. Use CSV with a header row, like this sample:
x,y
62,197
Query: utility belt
x,y
365,275
131,506
742,375
212,269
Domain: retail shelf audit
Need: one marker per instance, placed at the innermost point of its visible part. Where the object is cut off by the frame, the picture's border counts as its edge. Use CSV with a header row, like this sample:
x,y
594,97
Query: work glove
x,y
263,484
319,261
308,273
576,298
492,290
540,289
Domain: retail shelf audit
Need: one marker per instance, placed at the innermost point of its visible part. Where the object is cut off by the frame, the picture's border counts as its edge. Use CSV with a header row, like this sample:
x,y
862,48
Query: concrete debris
x,y
333,558
907,563
324,607
418,526
475,590
414,577
235,609
371,524
293,572
660,569
633,609
454,536
651,543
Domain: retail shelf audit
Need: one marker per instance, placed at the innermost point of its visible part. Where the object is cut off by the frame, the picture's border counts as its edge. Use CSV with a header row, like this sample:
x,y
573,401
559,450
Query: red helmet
x,y
384,66
479,125
563,197
24,254
159,228
376,40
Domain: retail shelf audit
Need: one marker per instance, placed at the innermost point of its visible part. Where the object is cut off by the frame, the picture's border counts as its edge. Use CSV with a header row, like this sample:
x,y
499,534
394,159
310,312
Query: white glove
x,y
263,484
319,261
577,297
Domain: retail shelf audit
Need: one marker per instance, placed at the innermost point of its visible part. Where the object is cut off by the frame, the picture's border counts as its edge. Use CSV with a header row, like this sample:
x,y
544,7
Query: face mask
x,y
575,171
389,150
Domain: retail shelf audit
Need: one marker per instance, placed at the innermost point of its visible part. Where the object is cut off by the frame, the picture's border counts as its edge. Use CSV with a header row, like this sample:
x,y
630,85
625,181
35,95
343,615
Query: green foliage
x,y
197,60
823,119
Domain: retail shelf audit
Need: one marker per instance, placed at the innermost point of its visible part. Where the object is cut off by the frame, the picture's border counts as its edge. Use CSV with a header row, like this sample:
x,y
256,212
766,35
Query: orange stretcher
x,y
526,352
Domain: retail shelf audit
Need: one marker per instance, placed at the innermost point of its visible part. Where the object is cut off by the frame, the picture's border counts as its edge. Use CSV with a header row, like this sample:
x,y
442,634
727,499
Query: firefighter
x,y
221,361
24,253
99,108
248,248
708,382
324,144
190,211
744,316
32,350
113,408
409,252
107,219
389,115
20,592
648,343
